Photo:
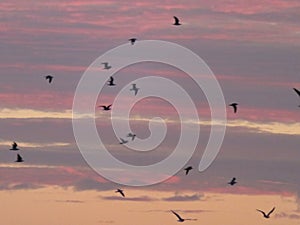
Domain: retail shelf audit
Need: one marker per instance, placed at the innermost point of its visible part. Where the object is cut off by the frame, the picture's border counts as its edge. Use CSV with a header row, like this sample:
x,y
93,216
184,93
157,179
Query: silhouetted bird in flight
x,y
176,23
19,158
131,135
106,66
298,92
234,105
120,191
106,108
232,182
267,216
14,147
111,82
187,170
123,141
180,219
135,89
49,78
132,40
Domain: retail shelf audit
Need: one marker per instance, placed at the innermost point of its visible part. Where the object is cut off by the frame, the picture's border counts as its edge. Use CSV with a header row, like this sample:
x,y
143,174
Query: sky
x,y
253,49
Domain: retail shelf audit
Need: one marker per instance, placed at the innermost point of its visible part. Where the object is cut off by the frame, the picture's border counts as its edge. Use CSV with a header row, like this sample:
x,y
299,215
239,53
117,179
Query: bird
x,y
106,66
180,219
49,78
187,170
234,105
233,181
297,91
106,108
14,147
131,135
111,82
123,141
176,23
132,40
120,191
135,89
267,216
19,158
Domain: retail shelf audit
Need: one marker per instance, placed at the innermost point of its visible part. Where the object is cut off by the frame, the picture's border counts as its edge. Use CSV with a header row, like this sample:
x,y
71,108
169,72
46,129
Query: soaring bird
x,y
180,219
49,78
234,105
232,182
106,108
132,40
267,216
187,170
106,66
111,82
123,141
131,135
120,191
19,158
14,147
135,89
176,23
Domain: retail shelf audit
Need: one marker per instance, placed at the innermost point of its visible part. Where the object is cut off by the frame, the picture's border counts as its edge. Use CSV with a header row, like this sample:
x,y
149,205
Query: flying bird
x,y
297,91
106,66
180,219
187,170
123,141
132,40
234,105
135,89
19,158
106,108
267,216
111,82
131,135
233,181
49,78
120,191
14,147
176,23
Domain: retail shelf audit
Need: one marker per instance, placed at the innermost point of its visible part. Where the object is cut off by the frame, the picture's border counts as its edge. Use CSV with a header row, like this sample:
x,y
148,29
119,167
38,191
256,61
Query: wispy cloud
x,y
182,198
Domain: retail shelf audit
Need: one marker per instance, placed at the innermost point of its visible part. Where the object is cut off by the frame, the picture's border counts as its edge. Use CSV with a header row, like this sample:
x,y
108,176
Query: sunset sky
x,y
252,47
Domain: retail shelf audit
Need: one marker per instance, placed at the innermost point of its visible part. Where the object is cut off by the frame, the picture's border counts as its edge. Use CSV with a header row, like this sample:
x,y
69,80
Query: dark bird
x,y
123,141
232,182
106,108
176,23
297,91
234,105
106,66
132,40
120,191
111,82
19,158
187,170
135,89
14,147
131,135
180,219
267,216
49,78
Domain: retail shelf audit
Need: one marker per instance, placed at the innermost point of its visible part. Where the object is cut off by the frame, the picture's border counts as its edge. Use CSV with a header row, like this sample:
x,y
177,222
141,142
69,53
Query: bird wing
x,y
136,91
176,215
271,211
122,140
176,19
122,193
261,212
109,106
297,91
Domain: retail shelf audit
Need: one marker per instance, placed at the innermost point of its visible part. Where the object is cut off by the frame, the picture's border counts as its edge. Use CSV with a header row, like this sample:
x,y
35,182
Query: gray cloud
x,y
183,198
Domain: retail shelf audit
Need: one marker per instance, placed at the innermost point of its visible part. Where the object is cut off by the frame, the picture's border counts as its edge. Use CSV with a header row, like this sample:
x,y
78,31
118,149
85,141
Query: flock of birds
x,y
135,89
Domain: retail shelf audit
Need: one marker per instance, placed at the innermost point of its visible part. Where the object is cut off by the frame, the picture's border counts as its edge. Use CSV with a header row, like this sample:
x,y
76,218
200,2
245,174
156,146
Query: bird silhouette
x,y
180,219
233,181
120,191
131,135
19,158
176,23
187,169
135,89
267,216
106,66
14,147
298,92
132,40
49,78
106,108
111,82
234,105
123,141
